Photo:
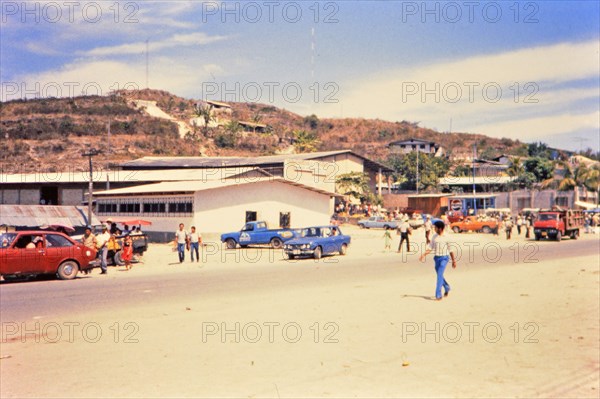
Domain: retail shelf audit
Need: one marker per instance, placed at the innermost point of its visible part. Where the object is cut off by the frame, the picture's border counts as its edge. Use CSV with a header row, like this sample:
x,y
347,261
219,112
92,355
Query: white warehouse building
x,y
218,206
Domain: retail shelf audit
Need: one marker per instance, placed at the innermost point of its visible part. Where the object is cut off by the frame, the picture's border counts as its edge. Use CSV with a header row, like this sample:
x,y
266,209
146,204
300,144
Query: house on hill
x,y
411,145
253,127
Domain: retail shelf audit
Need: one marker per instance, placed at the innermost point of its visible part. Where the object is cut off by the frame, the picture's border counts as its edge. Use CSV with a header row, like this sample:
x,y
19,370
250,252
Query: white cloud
x,y
190,39
554,73
101,77
542,128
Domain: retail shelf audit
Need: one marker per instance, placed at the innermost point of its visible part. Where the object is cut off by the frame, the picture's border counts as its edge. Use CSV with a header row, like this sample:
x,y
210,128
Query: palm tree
x,y
305,141
516,167
204,112
589,177
564,181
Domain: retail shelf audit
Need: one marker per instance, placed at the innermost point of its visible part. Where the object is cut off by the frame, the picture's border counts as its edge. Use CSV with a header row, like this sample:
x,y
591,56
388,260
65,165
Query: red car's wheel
x,y
67,270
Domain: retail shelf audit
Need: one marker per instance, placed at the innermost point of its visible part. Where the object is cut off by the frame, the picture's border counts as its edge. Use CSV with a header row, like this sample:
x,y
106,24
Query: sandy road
x,y
343,328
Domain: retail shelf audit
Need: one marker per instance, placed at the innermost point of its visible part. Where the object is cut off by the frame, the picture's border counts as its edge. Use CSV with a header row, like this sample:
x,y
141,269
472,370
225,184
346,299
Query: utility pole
x,y
418,169
108,152
474,191
92,152
147,87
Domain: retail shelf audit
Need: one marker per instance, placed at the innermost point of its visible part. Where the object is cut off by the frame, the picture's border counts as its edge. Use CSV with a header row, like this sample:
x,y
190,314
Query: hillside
x,y
50,134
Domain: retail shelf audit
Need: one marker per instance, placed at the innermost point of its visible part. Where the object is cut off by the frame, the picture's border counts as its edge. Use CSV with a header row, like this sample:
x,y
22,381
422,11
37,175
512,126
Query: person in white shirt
x,y
101,246
442,254
404,230
195,241
181,237
428,226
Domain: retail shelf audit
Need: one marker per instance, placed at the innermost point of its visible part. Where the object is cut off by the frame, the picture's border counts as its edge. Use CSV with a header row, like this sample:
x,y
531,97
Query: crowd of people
x,y
111,240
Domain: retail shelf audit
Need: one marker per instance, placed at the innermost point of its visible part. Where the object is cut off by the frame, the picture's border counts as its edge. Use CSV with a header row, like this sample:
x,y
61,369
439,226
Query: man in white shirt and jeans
x,y
181,236
442,254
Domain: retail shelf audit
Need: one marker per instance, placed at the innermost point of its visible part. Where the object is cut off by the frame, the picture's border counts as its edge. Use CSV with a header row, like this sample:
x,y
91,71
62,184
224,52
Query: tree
x,y
305,141
356,184
564,180
542,169
431,169
588,177
233,127
538,149
312,121
516,167
204,112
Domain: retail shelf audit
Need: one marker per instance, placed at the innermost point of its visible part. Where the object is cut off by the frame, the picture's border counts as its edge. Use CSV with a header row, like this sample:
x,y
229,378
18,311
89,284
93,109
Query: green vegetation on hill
x,y
39,132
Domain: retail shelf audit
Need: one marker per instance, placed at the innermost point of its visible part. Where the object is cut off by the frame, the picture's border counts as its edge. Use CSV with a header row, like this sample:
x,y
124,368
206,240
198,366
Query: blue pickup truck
x,y
256,233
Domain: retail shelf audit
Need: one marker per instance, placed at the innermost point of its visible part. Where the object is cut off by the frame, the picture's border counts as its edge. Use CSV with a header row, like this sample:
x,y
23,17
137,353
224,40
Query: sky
x,y
526,70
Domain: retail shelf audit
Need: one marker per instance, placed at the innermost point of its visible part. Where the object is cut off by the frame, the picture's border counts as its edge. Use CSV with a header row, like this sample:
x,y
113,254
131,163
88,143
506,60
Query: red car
x,y
27,253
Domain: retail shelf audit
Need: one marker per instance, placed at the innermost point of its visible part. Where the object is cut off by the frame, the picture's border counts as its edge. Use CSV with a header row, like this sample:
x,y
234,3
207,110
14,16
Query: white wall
x,y
224,209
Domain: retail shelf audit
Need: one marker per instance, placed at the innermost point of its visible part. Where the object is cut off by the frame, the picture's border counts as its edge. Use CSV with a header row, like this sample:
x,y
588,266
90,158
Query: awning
x,y
44,215
130,221
585,205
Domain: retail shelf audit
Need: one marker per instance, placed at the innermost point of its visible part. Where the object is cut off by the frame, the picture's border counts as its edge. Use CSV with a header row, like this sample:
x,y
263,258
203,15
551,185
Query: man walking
x,y
428,226
508,225
195,241
404,230
181,237
442,254
102,247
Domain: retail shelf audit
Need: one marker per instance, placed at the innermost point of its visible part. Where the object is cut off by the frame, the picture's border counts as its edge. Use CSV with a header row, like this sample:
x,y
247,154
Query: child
x,y
127,251
388,239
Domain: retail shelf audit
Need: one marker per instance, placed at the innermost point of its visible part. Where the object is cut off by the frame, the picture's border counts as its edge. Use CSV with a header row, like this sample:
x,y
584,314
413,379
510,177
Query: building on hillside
x,y
217,206
253,127
219,107
412,145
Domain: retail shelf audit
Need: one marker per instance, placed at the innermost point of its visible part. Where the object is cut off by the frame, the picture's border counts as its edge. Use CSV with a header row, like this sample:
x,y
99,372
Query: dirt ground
x,y
508,329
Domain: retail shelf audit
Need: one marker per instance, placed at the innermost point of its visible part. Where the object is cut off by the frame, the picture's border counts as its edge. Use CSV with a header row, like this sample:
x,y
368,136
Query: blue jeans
x,y
194,248
181,251
440,267
103,255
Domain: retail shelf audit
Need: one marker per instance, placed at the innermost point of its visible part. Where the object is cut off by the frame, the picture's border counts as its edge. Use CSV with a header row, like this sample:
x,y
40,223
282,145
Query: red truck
x,y
558,222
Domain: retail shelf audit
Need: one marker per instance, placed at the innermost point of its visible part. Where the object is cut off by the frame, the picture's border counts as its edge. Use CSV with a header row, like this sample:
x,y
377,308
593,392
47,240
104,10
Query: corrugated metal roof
x,y
39,215
124,176
221,162
454,181
193,186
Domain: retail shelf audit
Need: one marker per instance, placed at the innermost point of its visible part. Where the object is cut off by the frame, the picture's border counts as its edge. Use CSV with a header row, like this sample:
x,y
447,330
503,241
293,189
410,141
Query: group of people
x,y
190,241
106,243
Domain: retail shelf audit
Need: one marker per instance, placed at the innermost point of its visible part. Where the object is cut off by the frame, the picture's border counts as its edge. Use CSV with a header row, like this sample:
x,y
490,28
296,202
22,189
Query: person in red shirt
x,y
127,251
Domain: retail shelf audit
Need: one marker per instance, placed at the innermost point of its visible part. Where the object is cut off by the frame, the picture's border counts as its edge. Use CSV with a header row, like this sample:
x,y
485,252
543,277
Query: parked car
x,y
30,253
316,242
417,220
473,223
254,233
377,222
